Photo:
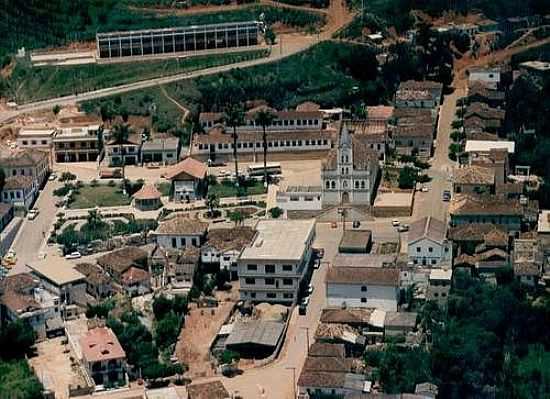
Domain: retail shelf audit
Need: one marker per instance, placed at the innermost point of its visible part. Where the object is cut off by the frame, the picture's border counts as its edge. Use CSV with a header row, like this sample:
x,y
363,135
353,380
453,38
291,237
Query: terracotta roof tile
x,y
474,175
147,192
189,166
359,275
427,227
133,275
181,225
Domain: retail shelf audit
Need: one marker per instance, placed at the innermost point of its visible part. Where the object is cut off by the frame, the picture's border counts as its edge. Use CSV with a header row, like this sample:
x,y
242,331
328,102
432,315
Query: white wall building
x,y
271,268
428,244
439,285
349,173
367,287
300,198
490,77
40,138
179,232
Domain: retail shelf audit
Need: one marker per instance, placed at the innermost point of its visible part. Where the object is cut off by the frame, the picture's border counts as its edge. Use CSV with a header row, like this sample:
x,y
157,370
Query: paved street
x,y
31,236
430,203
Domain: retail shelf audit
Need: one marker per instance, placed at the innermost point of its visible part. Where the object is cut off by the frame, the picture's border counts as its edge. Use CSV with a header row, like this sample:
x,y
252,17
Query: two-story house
x,y
367,287
25,172
428,244
126,151
187,178
419,94
117,262
439,285
474,180
77,143
273,266
103,357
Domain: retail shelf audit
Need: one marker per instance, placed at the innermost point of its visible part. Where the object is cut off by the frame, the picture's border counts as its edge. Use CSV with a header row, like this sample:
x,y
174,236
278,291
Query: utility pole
x,y
293,380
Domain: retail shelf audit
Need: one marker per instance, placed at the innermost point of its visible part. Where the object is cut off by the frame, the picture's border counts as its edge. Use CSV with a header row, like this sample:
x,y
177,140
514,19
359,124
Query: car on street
x,y
73,255
334,225
317,263
310,289
403,228
446,195
52,177
305,301
356,224
33,213
395,223
425,189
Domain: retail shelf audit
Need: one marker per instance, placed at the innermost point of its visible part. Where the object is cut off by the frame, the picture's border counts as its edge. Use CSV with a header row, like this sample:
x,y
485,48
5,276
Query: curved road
x,y
289,44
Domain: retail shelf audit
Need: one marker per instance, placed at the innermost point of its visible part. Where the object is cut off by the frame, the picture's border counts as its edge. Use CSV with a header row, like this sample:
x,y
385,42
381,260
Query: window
x,y
253,295
270,268
288,296
434,261
250,280
269,281
33,142
363,300
252,267
174,242
287,281
443,294
271,295
25,142
333,184
328,185
436,294
194,242
182,242
430,249
287,268
418,249
44,142
294,198
18,194
363,288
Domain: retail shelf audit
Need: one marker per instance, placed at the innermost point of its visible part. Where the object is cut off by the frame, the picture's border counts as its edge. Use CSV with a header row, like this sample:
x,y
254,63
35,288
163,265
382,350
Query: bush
x,y
63,191
423,178
275,212
67,176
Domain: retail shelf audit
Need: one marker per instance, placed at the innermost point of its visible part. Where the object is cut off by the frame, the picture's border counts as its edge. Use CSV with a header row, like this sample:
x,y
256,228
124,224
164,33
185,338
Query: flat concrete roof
x,y
394,199
544,222
57,270
279,240
441,274
487,145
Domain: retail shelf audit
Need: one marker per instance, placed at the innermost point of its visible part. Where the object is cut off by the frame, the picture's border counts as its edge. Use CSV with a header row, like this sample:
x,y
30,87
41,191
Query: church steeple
x,y
345,137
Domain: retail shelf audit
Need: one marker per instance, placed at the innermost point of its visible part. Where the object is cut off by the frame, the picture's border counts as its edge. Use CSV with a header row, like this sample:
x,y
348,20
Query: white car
x,y
52,177
425,189
395,223
305,301
33,213
310,289
403,228
73,255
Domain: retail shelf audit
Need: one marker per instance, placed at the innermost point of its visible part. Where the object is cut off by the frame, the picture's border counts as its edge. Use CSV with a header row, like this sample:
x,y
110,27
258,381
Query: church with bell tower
x,y
349,173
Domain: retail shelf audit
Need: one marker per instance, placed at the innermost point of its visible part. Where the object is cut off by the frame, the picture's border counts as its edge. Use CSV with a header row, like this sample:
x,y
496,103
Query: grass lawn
x,y
229,190
100,196
37,83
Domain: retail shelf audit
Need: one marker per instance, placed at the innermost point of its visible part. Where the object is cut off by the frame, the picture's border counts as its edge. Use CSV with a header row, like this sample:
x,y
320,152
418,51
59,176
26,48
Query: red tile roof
x,y
189,166
148,191
133,275
101,344
360,275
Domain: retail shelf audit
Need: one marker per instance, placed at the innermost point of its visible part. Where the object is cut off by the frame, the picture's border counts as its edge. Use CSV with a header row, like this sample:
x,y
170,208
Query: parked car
x,y
52,177
403,228
310,289
356,224
33,213
317,263
395,223
305,301
425,189
334,225
446,195
302,309
73,255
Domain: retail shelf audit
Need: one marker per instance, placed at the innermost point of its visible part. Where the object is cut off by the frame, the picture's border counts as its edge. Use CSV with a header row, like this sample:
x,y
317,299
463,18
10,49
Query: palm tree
x,y
120,134
234,117
264,118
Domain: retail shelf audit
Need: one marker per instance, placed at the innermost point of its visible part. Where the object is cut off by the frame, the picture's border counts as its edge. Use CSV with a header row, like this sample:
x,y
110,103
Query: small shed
x,y
356,241
255,339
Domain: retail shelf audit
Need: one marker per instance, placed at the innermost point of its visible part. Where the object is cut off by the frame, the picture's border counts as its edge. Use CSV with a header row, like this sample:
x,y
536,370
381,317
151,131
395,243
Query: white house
x,y
179,232
439,285
367,287
40,138
186,177
19,191
428,244
300,198
489,77
223,247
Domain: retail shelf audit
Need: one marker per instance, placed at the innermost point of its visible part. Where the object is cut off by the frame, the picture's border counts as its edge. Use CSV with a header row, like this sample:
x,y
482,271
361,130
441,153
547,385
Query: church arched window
x,y
356,184
362,184
333,184
347,159
328,184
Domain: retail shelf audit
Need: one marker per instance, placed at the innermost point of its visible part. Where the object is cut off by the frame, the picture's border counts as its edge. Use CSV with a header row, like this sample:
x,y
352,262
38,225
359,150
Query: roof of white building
x,y
441,274
57,270
486,146
279,240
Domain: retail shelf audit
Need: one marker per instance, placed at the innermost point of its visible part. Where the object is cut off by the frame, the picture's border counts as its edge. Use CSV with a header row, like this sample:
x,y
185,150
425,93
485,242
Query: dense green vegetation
x,y
181,4
37,24
16,378
529,104
28,83
491,338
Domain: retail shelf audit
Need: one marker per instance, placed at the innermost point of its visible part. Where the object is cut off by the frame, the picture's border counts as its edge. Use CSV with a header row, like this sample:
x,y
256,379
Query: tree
x,y
167,330
234,117
236,217
270,36
212,202
94,219
56,109
407,177
16,339
67,176
275,212
120,134
264,118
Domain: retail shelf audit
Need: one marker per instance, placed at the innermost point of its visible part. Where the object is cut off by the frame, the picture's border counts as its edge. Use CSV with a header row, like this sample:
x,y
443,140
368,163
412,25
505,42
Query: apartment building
x,y
272,267
77,143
